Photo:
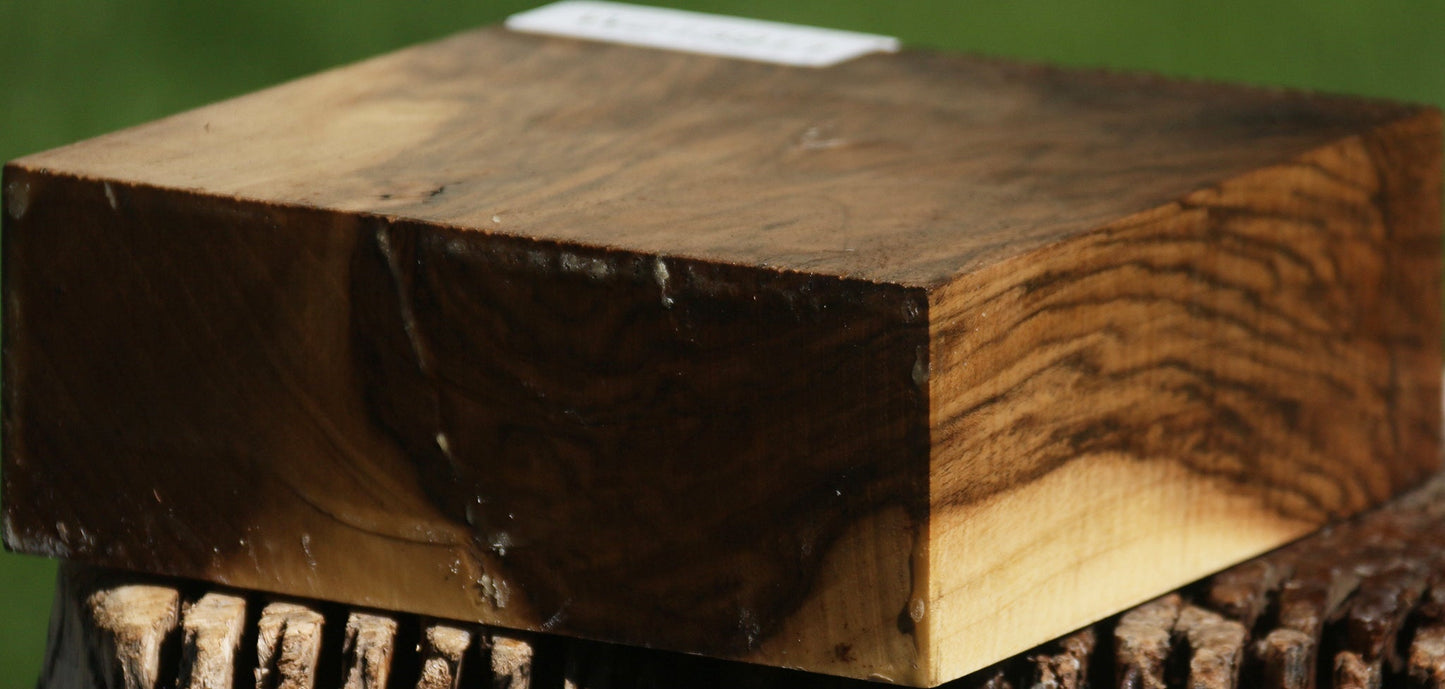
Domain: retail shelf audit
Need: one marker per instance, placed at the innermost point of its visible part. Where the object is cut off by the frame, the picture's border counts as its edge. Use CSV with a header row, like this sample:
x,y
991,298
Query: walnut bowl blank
x,y
889,370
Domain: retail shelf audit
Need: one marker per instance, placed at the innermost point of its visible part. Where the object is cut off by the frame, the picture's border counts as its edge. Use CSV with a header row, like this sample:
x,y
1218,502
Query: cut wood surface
x,y
888,370
1381,628
107,632
443,650
370,643
211,638
288,645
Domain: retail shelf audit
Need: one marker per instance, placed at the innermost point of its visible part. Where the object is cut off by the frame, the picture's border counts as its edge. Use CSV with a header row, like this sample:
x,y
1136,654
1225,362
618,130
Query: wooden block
x,y
887,370
1383,630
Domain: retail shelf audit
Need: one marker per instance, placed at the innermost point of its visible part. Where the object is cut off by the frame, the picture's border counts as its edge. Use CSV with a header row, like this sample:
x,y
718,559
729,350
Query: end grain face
x,y
288,645
108,630
212,629
1194,384
891,408
443,649
369,645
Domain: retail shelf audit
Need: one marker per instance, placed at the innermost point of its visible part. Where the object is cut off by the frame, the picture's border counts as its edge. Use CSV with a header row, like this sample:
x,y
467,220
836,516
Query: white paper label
x,y
695,32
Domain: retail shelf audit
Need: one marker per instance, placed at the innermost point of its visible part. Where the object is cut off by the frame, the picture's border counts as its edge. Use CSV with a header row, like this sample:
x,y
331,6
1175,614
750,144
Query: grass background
x,y
71,69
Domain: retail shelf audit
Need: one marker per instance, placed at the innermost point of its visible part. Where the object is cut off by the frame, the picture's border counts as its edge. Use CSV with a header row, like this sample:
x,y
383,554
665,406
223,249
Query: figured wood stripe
x,y
1210,347
1192,301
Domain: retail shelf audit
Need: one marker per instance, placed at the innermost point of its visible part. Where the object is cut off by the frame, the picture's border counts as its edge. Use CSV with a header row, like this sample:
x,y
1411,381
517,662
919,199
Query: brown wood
x,y
1216,647
1427,657
1069,667
887,370
1195,637
1142,641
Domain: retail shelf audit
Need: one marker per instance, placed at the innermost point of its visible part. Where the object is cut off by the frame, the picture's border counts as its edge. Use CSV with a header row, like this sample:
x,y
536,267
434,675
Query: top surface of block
x,y
904,169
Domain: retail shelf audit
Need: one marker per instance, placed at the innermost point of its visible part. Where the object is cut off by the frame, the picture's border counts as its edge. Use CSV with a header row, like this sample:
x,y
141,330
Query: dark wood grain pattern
x,y
1197,382
813,368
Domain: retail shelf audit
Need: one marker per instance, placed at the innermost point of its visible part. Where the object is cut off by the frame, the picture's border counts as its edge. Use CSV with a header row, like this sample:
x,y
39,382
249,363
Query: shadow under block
x,y
891,369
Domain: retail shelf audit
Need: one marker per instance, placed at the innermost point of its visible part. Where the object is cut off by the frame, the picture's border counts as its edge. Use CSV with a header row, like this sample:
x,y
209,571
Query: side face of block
x,y
652,451
1190,386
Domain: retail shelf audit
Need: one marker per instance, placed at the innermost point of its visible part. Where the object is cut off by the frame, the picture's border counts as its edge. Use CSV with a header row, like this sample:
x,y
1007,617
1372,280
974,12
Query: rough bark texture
x,y
1142,642
211,629
1068,668
288,645
108,630
368,648
511,663
443,650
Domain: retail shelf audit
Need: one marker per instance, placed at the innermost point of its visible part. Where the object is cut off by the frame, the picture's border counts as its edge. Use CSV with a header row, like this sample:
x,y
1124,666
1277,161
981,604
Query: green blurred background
x,y
71,69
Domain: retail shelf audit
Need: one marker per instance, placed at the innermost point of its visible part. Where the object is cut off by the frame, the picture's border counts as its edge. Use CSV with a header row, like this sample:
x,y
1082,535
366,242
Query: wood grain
x,y
211,640
368,648
288,646
1174,386
108,631
1212,633
813,368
